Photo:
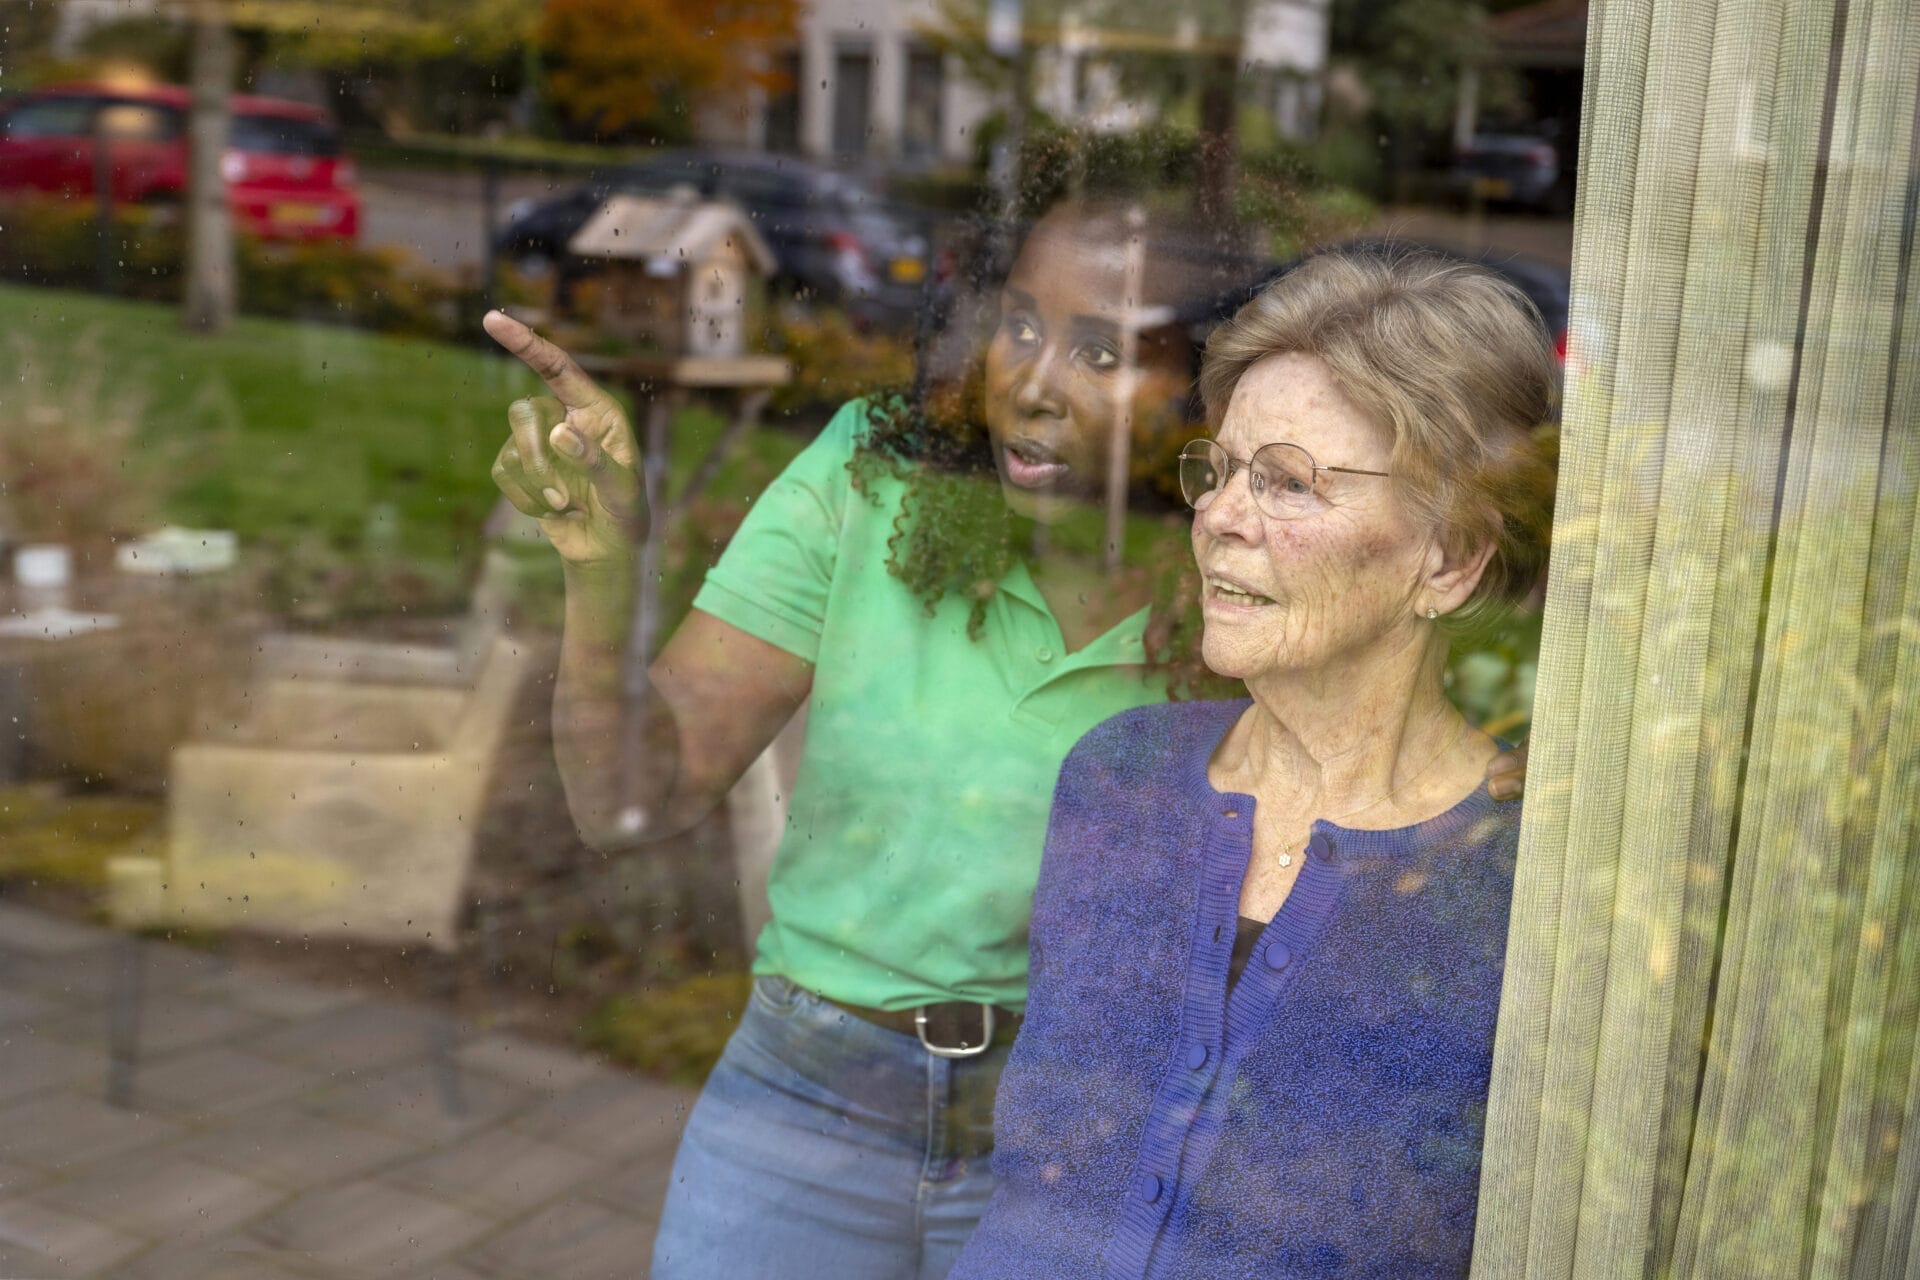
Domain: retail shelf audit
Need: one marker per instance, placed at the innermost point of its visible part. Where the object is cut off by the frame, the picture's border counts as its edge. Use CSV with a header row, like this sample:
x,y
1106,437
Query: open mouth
x,y
1032,465
1225,591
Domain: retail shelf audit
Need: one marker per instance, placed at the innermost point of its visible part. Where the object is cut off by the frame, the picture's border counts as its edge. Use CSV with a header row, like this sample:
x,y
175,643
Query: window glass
x,y
53,118
997,639
283,135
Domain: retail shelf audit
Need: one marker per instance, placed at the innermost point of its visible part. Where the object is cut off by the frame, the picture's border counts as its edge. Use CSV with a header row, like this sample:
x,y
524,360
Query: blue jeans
x,y
826,1146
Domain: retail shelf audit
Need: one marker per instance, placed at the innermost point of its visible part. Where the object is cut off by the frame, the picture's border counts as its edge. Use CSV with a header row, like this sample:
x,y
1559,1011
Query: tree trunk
x,y
209,303
1219,158
1219,139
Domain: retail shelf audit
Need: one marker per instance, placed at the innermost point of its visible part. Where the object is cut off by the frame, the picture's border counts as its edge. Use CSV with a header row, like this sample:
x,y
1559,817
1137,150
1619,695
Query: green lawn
x,y
312,441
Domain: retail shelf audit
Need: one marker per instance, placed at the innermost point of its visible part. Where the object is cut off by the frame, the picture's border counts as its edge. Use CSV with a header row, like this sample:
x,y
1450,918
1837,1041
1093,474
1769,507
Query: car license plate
x,y
1492,188
302,214
909,270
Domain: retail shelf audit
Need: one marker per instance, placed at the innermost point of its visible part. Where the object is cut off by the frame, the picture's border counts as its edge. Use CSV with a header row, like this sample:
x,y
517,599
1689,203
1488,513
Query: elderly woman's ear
x,y
1453,576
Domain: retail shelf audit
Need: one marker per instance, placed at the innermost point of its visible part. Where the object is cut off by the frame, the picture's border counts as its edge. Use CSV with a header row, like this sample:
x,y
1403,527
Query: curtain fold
x,y
1707,1046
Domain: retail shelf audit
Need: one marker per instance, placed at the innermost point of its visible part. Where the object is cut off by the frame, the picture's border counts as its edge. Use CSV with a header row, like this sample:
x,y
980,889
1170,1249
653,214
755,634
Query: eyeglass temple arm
x,y
1351,471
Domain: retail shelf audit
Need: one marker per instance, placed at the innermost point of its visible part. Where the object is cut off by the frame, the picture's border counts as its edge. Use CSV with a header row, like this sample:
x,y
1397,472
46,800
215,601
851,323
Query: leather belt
x,y
952,1029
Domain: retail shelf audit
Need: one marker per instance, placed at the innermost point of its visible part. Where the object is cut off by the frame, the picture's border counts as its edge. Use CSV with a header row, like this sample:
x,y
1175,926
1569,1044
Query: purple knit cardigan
x,y
1323,1120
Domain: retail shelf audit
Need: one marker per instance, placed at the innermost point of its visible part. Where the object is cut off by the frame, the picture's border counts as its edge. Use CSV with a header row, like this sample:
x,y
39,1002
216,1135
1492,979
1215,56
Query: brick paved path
x,y
282,1130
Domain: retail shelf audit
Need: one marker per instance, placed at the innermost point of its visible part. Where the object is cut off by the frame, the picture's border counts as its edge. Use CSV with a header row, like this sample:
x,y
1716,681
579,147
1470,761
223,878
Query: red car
x,y
286,178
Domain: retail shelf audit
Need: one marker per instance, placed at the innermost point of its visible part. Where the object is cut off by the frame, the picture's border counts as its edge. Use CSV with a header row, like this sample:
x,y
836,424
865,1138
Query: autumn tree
x,y
614,64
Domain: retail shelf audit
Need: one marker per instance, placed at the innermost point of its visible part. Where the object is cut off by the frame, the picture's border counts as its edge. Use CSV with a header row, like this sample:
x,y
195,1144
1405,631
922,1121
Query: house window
x,y
783,104
852,101
921,120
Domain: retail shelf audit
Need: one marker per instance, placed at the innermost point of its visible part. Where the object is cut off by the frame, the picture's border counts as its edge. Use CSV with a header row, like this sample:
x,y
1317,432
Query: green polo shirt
x,y
907,869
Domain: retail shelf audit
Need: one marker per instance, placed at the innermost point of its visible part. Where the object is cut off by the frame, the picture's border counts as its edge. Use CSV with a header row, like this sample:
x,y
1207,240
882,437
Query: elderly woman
x,y
1267,943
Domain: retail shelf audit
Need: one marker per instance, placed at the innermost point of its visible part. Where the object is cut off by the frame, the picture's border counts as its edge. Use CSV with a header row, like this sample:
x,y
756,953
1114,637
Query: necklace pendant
x,y
1286,859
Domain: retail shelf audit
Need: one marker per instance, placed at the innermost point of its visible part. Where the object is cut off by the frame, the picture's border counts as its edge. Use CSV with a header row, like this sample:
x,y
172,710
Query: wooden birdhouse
x,y
681,271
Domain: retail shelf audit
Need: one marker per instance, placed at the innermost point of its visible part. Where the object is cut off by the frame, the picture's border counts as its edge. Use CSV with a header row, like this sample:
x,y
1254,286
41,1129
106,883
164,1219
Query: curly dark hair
x,y
955,535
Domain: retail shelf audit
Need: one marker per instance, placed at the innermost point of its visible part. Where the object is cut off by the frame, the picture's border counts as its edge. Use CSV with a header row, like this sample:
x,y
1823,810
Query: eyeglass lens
x,y
1281,476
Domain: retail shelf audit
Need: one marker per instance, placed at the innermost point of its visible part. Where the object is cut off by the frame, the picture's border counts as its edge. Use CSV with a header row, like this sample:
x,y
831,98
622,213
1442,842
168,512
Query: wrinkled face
x,y
1343,577
1054,377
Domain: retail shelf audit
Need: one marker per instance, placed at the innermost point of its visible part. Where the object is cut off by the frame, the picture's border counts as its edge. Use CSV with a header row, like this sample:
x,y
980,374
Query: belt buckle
x,y
955,1051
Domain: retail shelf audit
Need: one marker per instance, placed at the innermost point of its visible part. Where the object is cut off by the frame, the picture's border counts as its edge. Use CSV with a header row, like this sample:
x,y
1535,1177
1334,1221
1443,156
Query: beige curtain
x,y
1706,1058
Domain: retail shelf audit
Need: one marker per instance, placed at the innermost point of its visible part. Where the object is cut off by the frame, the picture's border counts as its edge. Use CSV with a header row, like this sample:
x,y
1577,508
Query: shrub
x,y
50,837
833,362
71,466
55,244
676,1032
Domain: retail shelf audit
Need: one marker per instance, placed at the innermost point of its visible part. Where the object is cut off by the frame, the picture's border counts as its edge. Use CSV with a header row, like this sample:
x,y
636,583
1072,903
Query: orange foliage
x,y
616,62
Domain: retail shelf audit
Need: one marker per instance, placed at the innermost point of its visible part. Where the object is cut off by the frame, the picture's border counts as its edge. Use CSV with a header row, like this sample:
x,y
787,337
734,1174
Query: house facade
x,y
870,83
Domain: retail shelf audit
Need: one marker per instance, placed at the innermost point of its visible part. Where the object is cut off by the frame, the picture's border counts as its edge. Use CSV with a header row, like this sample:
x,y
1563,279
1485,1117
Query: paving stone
x,y
504,1172
448,1269
217,1080
169,1023
229,1257
407,1099
19,1009
577,1239
16,1179
169,966
71,981
22,929
536,1066
359,1037
294,1149
638,1187
83,978
31,1063
274,996
24,1261
368,1229
170,1199
75,1246
65,1131
616,1119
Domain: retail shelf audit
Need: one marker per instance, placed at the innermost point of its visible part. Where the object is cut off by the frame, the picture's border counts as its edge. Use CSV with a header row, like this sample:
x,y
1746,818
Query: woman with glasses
x,y
1268,934
931,574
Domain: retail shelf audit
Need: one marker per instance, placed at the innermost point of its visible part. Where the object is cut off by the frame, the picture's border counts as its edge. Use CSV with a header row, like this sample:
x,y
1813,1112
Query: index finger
x,y
556,368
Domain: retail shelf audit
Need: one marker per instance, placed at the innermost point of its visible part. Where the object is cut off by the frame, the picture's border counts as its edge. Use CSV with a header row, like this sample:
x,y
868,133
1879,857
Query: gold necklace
x,y
1286,858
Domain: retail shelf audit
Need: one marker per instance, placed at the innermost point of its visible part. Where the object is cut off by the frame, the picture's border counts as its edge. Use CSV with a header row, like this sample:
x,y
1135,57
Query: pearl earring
x,y
1432,614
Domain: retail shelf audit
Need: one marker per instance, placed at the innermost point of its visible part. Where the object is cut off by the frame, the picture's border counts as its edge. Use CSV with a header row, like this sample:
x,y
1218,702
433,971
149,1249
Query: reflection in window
x,y
852,101
922,118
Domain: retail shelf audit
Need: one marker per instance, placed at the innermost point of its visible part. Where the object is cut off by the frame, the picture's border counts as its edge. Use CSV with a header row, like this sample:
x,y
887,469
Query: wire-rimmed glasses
x,y
1284,476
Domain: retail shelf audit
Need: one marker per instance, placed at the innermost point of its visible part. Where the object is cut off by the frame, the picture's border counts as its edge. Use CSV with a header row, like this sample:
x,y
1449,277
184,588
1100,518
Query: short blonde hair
x,y
1454,361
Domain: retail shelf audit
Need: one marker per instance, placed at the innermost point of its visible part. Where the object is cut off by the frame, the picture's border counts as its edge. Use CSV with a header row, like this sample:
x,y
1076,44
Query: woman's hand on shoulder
x,y
1507,774
570,460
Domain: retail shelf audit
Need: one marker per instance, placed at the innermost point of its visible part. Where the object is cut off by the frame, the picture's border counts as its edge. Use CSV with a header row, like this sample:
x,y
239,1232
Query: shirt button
x,y
1043,653
1278,956
1147,1187
1319,846
1197,1056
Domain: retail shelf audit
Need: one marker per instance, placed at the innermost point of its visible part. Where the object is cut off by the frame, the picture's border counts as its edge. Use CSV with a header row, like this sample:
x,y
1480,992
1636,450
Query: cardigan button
x,y
1147,1187
1278,955
1197,1056
1320,846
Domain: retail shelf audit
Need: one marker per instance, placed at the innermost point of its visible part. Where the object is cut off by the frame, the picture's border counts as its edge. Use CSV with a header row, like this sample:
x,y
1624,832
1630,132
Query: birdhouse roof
x,y
680,228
